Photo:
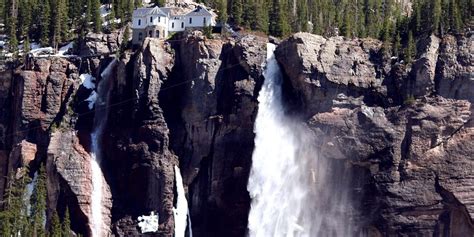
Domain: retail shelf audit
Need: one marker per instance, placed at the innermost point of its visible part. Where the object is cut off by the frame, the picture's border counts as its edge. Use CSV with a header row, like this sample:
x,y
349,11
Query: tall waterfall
x,y
294,192
180,212
100,120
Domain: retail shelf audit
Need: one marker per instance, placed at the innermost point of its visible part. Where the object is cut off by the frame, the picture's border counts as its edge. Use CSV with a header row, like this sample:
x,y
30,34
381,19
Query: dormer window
x,y
139,22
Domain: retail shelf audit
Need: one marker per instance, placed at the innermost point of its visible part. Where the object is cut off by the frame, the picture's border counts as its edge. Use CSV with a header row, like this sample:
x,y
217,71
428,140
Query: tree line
x,y
52,22
387,20
24,215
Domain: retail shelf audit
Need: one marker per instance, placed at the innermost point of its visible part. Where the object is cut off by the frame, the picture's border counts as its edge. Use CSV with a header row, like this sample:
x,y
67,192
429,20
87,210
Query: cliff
x,y
406,132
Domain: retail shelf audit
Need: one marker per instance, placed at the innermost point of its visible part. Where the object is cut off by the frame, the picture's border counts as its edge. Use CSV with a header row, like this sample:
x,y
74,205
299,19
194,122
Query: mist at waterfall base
x,y
294,191
100,120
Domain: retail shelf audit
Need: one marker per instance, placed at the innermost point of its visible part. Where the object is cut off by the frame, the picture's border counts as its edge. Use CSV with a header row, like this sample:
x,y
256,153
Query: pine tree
x,y
45,17
236,13
88,15
346,28
410,50
26,45
66,227
15,214
222,10
38,204
55,228
455,21
24,16
111,16
436,14
97,19
397,45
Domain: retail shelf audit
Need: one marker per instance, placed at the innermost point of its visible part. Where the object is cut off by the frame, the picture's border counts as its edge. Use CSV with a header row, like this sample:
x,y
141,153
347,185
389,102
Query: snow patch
x,y
87,81
149,223
92,99
63,50
104,11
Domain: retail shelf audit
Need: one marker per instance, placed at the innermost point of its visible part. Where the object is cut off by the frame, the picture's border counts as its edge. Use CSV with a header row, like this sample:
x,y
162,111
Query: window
x,y
151,19
182,24
172,25
190,20
150,33
140,36
204,21
157,34
159,18
139,22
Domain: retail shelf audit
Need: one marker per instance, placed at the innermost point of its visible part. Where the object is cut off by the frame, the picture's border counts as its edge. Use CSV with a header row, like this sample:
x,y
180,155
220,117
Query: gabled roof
x,y
141,12
200,11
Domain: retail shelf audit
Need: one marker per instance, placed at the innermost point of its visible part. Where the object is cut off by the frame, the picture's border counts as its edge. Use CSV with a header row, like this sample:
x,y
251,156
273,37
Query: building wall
x,y
179,24
135,23
150,31
135,36
198,21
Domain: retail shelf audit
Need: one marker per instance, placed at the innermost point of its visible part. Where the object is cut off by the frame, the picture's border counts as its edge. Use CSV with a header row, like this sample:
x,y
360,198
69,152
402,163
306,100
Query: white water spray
x,y
100,120
180,212
293,190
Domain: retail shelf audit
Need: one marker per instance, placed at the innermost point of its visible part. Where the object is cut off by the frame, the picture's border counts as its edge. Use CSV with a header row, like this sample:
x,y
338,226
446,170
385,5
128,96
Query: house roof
x,y
174,11
200,11
141,12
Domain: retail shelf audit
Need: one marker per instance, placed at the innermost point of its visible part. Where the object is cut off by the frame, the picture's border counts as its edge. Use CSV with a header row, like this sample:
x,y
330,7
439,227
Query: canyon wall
x,y
406,132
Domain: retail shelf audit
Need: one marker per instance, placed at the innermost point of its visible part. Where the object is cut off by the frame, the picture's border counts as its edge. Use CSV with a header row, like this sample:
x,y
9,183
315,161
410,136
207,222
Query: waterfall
x,y
294,192
180,212
100,120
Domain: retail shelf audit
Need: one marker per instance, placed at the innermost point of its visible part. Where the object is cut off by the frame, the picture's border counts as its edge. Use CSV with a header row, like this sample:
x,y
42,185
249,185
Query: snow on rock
x,y
63,50
92,99
149,223
104,11
87,81
181,211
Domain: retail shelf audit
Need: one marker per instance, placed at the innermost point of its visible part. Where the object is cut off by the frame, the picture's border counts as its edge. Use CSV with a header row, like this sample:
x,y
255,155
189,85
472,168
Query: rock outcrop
x,y
416,158
210,108
192,102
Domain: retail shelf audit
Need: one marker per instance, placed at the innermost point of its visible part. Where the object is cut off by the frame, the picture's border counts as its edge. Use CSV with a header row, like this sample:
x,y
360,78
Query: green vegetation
x,y
16,218
53,22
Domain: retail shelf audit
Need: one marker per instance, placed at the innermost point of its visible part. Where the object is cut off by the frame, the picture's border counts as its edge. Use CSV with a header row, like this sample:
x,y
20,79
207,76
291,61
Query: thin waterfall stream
x,y
100,120
294,191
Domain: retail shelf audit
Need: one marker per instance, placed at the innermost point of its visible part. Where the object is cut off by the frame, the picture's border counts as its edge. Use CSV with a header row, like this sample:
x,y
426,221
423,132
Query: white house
x,y
159,22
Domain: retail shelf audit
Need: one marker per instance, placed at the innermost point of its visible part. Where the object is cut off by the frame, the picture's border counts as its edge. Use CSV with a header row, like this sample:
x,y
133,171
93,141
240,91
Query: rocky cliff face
x,y
192,102
416,159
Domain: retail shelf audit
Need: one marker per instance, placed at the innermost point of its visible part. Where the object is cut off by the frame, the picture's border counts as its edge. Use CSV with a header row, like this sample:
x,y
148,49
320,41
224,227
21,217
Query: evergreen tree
x,y
88,15
45,17
346,28
24,17
410,51
159,3
66,227
15,214
97,19
111,16
38,204
436,14
55,229
237,11
455,21
397,45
